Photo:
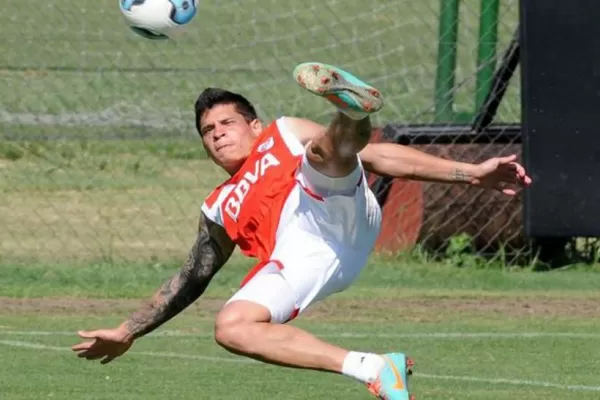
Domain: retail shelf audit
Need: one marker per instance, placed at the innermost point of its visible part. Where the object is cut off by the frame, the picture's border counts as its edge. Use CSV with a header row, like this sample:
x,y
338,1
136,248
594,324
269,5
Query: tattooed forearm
x,y
458,175
210,251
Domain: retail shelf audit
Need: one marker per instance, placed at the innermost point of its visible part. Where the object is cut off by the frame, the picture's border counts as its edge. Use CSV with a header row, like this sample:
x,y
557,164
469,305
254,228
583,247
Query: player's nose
x,y
219,133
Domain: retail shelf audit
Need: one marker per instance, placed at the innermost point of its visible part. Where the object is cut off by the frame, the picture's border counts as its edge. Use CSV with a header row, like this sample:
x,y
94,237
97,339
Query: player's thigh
x,y
297,277
315,268
268,289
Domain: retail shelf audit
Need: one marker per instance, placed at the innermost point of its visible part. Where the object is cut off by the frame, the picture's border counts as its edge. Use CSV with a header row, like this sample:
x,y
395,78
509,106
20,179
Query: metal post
x,y
446,62
488,39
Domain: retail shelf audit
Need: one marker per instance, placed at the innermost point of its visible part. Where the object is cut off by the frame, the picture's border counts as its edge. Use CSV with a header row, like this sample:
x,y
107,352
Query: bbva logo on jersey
x,y
266,145
233,205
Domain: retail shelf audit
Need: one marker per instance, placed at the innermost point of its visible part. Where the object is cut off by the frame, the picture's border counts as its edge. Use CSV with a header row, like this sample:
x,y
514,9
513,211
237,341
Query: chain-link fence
x,y
99,157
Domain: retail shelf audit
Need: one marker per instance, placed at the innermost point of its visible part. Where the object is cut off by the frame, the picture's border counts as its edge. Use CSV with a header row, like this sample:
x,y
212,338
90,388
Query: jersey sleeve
x,y
211,207
291,140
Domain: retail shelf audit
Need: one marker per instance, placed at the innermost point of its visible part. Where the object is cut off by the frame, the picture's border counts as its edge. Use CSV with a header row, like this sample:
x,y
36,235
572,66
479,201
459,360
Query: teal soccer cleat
x,y
392,383
348,93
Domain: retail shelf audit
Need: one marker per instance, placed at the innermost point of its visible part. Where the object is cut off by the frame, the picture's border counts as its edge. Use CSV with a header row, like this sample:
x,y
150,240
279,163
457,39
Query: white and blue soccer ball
x,y
158,19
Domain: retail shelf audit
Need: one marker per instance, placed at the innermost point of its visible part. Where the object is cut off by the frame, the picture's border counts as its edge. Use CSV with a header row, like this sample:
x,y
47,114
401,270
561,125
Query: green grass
x,y
165,367
79,67
384,276
532,330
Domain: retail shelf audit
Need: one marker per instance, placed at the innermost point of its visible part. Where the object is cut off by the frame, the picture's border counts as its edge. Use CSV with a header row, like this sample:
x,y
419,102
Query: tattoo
x,y
459,175
210,252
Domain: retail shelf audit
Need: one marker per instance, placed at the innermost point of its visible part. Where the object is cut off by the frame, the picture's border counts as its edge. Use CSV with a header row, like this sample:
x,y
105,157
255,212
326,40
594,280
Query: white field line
x,y
352,335
495,381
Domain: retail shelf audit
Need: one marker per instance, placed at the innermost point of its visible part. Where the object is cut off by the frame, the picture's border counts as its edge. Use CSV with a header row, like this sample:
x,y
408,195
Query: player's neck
x,y
231,171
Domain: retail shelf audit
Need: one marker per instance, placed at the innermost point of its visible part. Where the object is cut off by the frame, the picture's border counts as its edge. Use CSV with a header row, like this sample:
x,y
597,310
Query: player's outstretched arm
x,y
388,159
209,253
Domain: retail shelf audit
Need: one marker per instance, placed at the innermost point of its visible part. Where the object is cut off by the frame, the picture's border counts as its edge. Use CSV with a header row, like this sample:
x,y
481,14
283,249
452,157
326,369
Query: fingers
x,y
90,352
503,188
513,166
82,346
522,174
107,359
514,173
520,169
89,334
507,159
86,349
91,356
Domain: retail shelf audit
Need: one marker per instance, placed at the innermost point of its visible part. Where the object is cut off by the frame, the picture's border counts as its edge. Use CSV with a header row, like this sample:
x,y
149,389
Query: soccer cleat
x,y
392,383
348,93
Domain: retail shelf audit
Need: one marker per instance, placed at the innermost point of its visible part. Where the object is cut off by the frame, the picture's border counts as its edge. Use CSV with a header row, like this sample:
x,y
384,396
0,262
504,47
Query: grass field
x,y
475,334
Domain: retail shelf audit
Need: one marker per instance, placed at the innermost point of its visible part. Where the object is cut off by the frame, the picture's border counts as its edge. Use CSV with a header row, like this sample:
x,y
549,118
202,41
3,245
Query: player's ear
x,y
256,126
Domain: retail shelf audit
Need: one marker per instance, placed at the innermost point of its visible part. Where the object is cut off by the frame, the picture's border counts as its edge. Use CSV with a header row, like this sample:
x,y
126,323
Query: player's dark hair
x,y
211,97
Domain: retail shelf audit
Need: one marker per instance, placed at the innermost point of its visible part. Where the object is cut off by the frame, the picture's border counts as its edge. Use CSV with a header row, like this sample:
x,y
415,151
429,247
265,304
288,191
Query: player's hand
x,y
502,174
103,344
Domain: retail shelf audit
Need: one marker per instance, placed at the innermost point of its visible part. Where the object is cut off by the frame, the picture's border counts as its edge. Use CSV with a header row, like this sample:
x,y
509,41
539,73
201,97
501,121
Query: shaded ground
x,y
422,309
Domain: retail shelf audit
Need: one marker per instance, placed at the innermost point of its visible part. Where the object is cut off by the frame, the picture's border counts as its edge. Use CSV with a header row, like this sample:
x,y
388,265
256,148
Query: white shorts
x,y
328,230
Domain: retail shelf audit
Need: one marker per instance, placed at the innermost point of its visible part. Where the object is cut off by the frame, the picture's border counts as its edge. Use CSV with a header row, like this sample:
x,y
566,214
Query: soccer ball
x,y
157,19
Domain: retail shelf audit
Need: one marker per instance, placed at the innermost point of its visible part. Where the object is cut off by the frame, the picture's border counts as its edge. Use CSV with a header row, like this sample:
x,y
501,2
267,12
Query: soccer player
x,y
298,201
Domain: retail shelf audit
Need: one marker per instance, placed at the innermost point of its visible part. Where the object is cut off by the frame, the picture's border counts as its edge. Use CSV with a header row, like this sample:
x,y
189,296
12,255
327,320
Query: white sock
x,y
364,367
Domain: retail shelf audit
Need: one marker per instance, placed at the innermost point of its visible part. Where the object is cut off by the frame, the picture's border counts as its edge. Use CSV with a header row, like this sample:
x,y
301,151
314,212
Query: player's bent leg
x,y
252,324
335,154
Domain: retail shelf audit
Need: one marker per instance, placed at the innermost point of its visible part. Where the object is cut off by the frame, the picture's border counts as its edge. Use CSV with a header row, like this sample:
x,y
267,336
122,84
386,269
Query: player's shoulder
x,y
282,128
218,193
304,130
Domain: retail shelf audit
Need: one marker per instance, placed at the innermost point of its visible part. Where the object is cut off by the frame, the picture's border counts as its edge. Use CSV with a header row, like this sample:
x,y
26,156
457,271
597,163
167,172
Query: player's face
x,y
227,136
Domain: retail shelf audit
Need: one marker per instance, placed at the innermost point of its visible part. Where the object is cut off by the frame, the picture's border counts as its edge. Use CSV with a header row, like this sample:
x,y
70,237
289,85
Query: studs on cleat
x,y
335,75
325,80
374,93
412,397
316,68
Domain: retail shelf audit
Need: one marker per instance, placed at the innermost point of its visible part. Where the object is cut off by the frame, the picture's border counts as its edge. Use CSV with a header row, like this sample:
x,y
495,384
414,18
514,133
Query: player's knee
x,y
233,325
329,162
343,140
229,329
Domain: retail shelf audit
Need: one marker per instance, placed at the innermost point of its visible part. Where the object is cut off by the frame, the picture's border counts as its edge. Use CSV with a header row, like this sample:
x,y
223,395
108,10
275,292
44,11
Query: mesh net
x,y
100,158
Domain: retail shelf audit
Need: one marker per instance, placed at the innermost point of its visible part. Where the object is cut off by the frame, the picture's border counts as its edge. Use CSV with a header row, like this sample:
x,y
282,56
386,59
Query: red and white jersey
x,y
269,210
249,204
318,244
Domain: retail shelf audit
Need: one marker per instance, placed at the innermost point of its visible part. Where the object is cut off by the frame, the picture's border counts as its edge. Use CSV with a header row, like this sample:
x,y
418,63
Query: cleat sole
x,y
323,80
